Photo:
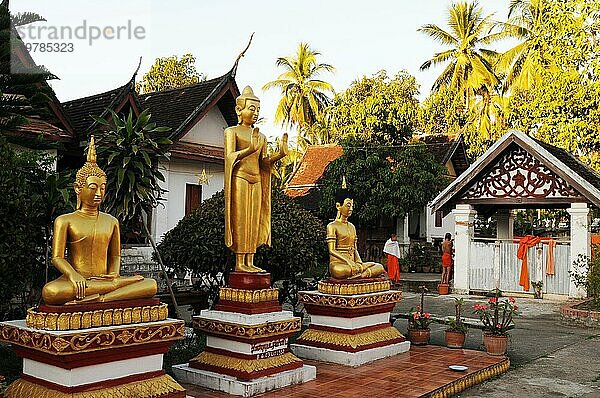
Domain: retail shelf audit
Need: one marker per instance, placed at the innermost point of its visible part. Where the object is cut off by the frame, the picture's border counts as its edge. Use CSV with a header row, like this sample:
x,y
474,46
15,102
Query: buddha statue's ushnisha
x,y
344,260
90,272
248,183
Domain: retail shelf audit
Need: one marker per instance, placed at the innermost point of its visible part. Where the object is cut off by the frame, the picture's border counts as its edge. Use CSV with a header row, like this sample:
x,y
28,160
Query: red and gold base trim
x,y
89,319
349,341
243,368
248,332
350,302
329,287
157,387
70,343
470,380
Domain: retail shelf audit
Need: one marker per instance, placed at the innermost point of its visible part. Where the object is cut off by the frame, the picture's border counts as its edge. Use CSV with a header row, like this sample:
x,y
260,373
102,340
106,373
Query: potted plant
x,y
418,323
497,319
457,329
537,289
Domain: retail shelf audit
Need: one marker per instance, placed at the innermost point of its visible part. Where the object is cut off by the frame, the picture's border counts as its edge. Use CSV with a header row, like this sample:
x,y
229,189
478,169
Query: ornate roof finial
x,y
235,65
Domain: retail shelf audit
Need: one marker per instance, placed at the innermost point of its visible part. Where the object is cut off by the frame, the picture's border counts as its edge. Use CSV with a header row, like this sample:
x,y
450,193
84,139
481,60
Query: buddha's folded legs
x,y
61,290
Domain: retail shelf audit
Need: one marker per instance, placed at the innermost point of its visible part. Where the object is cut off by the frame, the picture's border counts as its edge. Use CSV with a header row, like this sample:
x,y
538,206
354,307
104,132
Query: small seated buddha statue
x,y
90,272
344,260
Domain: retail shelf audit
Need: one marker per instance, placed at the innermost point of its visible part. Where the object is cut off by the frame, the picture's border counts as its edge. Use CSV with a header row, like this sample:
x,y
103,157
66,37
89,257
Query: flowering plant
x,y
418,320
456,324
497,315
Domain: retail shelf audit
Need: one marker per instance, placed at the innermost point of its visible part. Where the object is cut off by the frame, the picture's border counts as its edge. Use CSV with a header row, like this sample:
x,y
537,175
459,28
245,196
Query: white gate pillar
x,y
580,240
464,231
504,224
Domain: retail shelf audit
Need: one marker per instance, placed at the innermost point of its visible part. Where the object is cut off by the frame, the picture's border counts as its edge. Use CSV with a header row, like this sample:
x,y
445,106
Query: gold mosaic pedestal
x,y
350,323
94,353
246,341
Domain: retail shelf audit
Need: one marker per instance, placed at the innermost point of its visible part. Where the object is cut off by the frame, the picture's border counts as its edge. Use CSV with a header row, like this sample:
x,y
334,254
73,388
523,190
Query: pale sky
x,y
356,37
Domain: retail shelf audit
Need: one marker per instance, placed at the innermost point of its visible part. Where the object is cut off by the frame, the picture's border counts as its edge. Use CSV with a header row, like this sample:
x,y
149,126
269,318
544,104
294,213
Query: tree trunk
x,y
162,267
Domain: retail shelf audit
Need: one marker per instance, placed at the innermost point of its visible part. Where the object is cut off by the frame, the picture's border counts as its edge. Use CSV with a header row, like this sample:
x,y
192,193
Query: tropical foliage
x,y
564,107
170,72
384,181
129,151
32,195
23,88
304,96
196,244
377,109
547,84
522,63
468,69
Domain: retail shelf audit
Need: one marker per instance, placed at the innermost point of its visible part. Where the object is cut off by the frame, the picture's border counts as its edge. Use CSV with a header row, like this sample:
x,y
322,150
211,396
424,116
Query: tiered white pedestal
x,y
350,329
247,342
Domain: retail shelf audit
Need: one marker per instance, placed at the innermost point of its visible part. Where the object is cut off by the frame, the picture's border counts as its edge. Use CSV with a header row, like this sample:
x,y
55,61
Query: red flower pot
x,y
443,289
419,336
495,345
455,339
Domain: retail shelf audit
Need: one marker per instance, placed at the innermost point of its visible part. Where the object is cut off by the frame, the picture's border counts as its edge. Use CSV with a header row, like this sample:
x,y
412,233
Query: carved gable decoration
x,y
518,174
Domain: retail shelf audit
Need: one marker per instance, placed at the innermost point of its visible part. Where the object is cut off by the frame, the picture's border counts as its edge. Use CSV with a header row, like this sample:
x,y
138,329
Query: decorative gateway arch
x,y
520,172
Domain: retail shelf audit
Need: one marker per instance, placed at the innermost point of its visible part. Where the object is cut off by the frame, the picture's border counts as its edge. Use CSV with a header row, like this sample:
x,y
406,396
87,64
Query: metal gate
x,y
495,264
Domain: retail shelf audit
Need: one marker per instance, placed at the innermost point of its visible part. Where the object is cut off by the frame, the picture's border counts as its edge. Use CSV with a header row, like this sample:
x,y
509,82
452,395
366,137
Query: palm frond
x,y
438,34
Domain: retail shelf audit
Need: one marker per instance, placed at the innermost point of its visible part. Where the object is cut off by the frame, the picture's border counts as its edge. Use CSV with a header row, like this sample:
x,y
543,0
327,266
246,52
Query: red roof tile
x,y
312,166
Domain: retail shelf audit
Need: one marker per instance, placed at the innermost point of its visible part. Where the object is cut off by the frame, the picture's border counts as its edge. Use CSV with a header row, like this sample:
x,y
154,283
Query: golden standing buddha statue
x,y
344,260
90,273
248,183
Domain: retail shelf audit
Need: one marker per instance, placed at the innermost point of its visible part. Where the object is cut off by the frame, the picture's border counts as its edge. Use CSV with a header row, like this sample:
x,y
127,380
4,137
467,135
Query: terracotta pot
x,y
455,339
495,345
419,336
443,289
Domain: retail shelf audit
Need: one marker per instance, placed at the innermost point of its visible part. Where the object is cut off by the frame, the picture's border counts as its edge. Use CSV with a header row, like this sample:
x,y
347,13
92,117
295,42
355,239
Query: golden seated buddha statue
x,y
344,260
90,272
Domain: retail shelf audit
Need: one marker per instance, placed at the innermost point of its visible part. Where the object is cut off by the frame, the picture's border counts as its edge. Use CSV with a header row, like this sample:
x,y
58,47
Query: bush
x,y
586,275
197,244
32,196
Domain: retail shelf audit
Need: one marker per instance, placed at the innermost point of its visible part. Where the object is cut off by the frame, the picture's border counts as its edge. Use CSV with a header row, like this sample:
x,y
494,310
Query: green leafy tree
x,y
131,151
303,95
376,109
442,112
384,181
563,109
170,72
298,245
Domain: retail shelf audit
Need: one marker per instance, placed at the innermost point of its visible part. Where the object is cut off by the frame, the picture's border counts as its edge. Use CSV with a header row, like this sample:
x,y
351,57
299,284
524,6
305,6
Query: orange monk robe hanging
x,y
525,243
550,260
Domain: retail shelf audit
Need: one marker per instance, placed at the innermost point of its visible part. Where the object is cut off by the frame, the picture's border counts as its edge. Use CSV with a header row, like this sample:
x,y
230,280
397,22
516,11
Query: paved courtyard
x,y
548,359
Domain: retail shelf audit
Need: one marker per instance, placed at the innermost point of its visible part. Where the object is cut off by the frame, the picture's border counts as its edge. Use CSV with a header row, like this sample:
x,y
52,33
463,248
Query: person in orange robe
x,y
392,249
447,251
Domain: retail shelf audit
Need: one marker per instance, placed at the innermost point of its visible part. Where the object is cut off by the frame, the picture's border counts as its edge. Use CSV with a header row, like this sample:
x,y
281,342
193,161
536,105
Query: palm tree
x,y
304,97
521,63
469,68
